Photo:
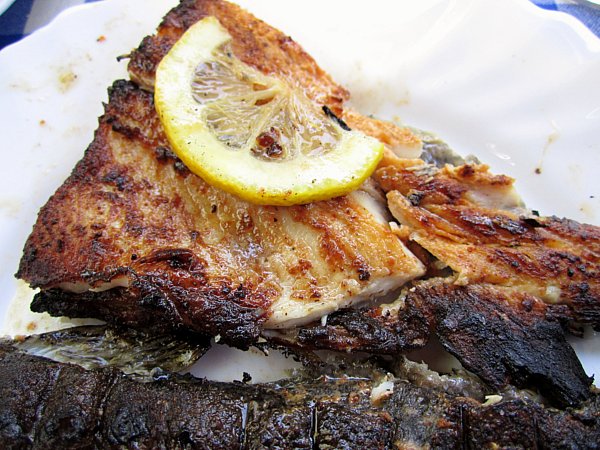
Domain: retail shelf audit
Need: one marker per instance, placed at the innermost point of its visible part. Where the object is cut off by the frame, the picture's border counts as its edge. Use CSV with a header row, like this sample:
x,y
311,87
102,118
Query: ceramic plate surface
x,y
515,85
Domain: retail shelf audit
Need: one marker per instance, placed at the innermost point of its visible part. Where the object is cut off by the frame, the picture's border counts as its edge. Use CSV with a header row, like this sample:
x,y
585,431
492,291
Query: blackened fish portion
x,y
171,415
503,336
45,403
145,306
371,330
57,405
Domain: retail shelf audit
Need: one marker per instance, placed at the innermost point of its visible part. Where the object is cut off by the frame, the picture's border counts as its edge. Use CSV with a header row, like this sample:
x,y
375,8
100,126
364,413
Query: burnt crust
x,y
362,330
504,337
103,408
146,306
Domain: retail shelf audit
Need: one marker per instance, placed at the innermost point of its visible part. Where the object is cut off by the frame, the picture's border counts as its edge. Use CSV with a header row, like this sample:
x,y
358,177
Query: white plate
x,y
513,84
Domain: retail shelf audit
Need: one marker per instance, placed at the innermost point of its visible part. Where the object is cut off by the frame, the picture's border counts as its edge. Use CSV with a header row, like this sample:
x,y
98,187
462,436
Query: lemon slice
x,y
250,134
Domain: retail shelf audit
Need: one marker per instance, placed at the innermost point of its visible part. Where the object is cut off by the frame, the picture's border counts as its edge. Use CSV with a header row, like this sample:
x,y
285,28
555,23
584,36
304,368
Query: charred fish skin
x,y
500,335
504,338
56,405
365,330
47,404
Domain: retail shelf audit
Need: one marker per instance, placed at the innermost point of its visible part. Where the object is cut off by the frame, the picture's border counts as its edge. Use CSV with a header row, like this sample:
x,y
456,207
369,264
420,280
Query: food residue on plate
x,y
20,320
66,79
551,139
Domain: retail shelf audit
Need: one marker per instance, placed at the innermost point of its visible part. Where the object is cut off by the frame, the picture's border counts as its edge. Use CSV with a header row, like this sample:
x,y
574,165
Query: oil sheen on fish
x,y
58,405
133,237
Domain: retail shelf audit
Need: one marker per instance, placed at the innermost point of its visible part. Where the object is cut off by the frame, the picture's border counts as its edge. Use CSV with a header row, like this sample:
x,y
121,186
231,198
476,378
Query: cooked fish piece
x,y
471,221
168,251
502,335
133,237
253,41
58,405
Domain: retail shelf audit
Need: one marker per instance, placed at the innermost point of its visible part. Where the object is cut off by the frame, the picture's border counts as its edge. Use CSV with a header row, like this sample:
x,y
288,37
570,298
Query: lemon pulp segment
x,y
251,134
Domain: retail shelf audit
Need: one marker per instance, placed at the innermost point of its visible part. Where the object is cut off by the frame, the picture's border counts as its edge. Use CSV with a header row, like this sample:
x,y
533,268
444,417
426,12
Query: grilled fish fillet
x,y
133,237
58,405
469,219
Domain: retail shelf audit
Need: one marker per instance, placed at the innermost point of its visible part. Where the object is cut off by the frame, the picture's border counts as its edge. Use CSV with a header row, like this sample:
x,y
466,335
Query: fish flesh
x,y
133,237
60,405
469,220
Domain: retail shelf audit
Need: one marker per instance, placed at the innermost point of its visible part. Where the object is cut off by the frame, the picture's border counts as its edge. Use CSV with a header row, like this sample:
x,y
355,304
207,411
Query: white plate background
x,y
513,84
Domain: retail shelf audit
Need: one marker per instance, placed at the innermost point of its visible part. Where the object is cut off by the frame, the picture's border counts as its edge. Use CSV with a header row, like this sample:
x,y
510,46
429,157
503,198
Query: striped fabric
x,y
25,16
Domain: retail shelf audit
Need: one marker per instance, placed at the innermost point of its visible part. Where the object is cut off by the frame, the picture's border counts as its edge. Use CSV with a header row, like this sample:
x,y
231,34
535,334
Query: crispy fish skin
x,y
102,408
502,336
371,329
499,334
133,237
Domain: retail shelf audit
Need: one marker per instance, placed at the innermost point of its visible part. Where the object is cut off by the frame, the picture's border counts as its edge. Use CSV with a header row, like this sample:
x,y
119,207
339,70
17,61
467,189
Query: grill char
x,y
103,408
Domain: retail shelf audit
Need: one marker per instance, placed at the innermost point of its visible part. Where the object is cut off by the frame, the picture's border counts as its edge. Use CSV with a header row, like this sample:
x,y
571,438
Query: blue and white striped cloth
x,y
25,16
